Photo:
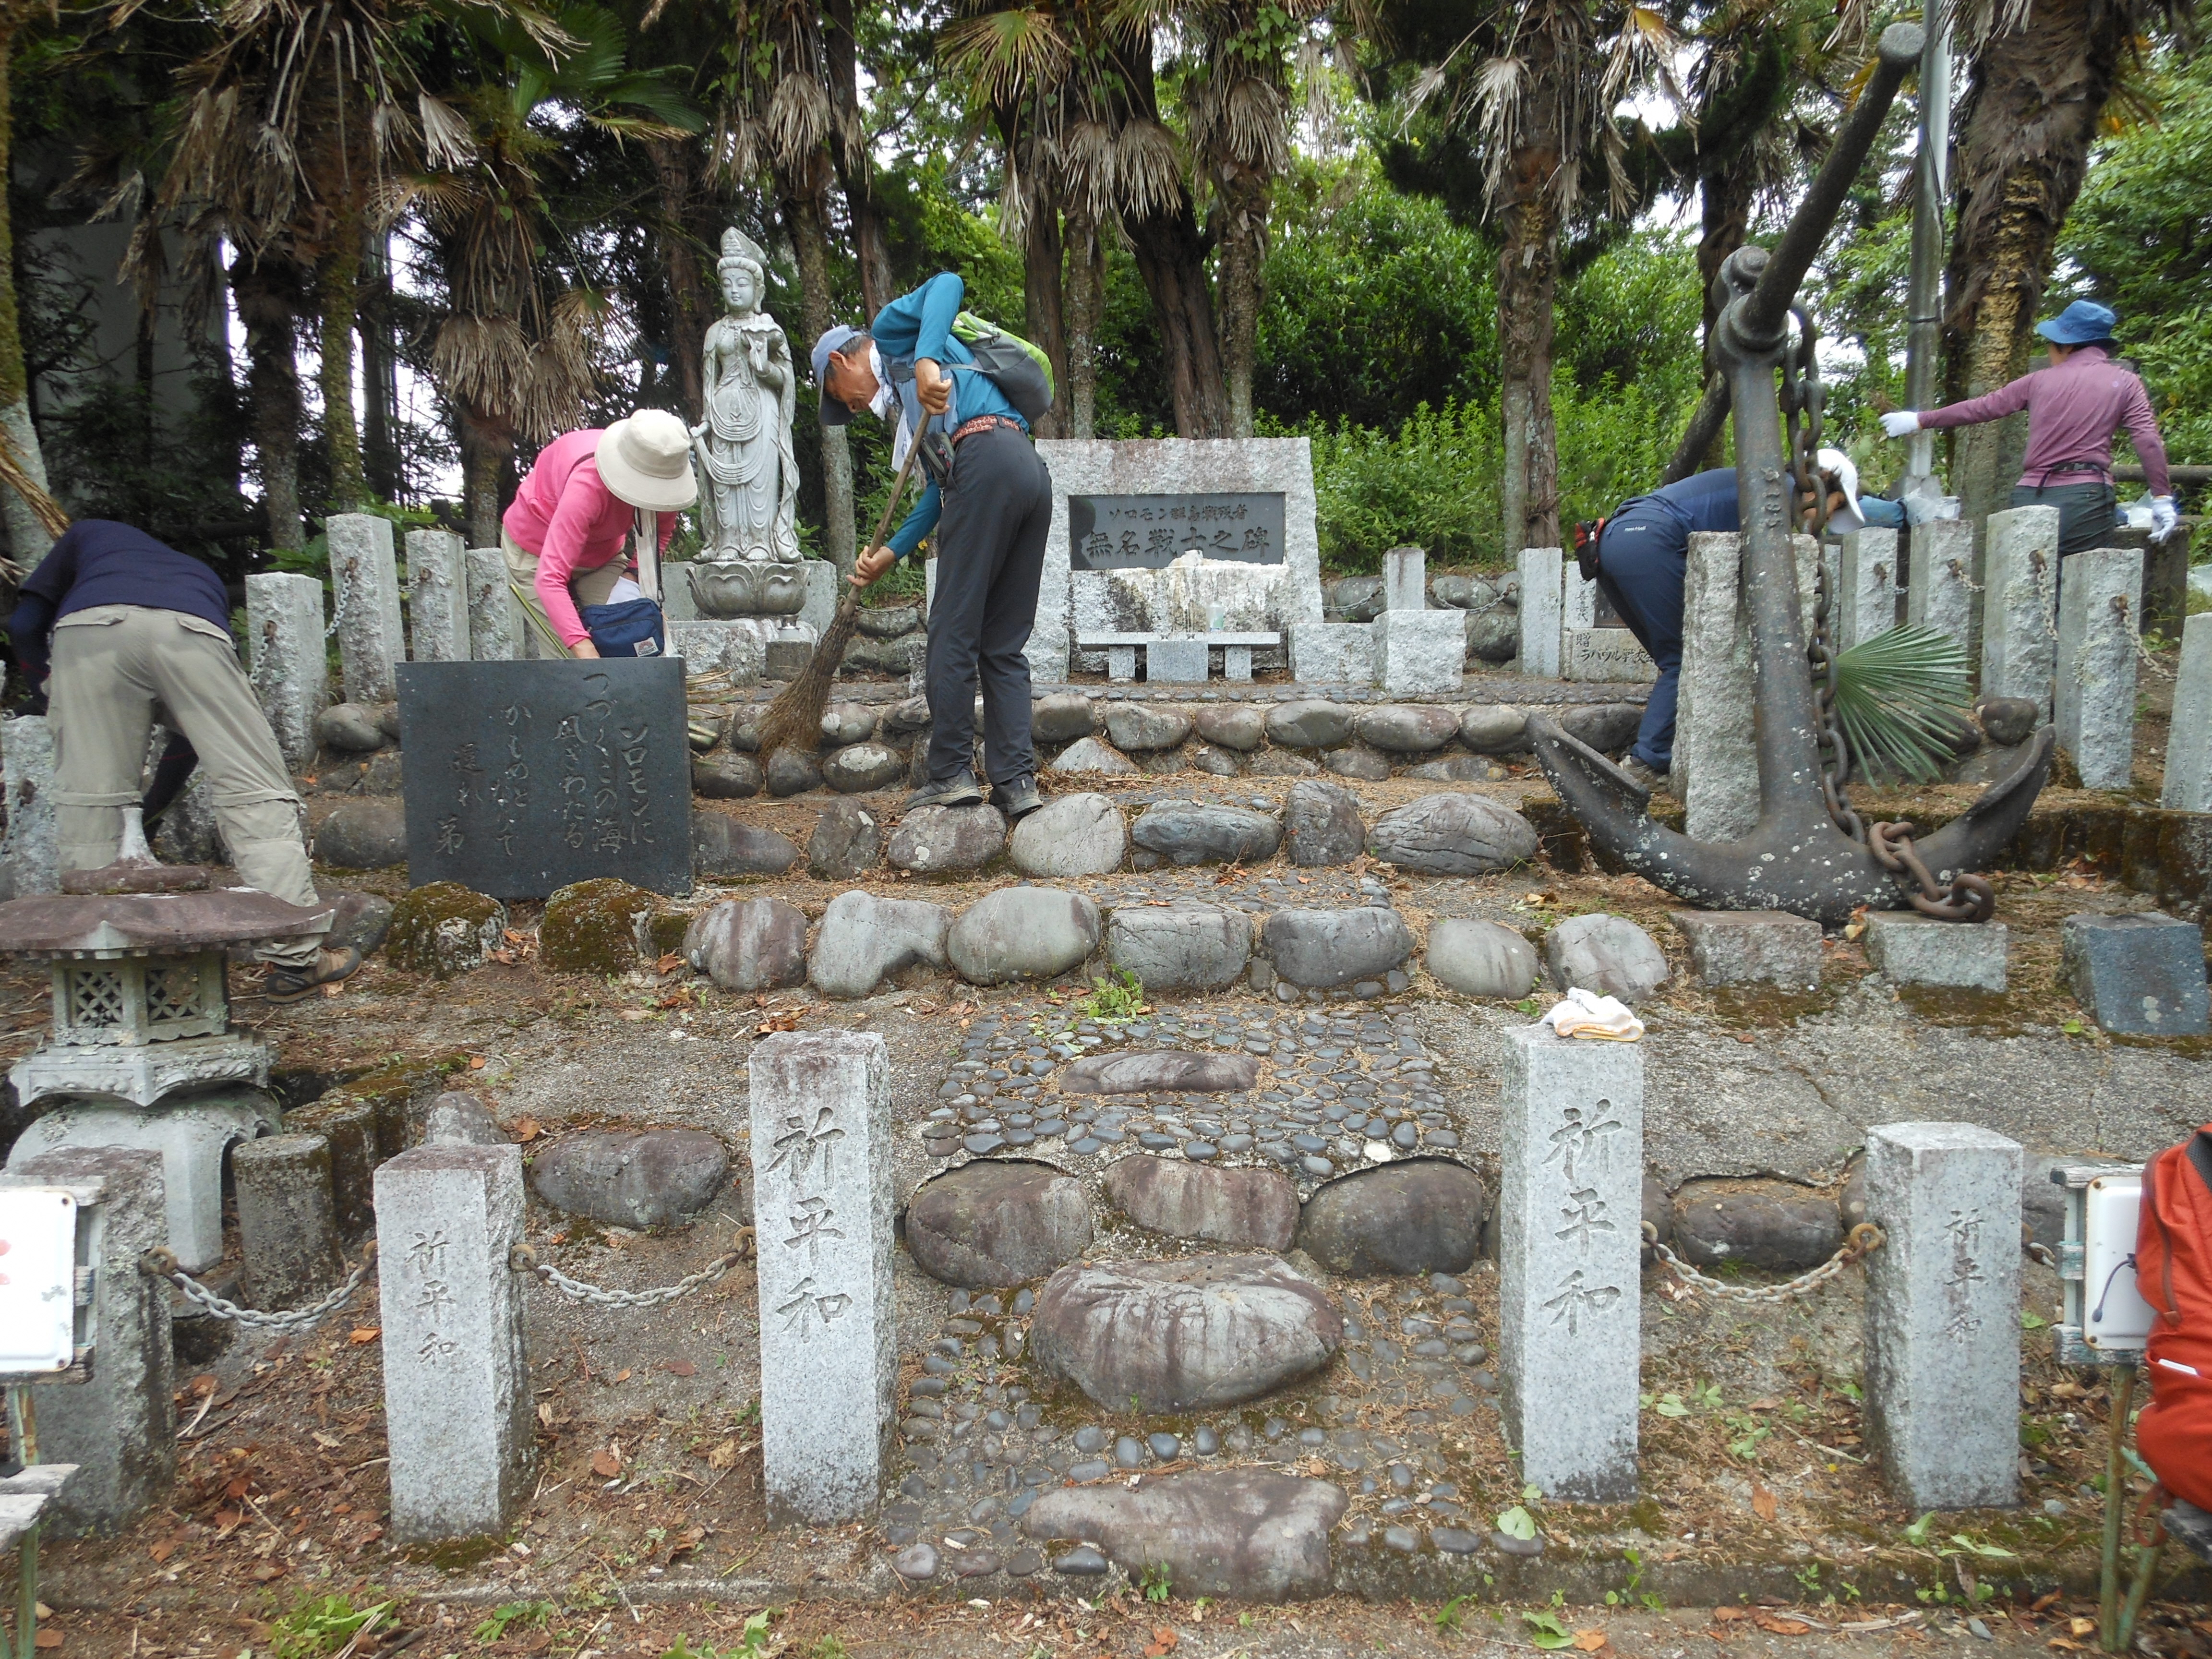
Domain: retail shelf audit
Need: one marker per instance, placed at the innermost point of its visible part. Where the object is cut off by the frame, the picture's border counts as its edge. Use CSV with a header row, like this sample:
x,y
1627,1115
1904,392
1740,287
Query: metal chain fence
x,y
162,1264
524,1260
1864,1240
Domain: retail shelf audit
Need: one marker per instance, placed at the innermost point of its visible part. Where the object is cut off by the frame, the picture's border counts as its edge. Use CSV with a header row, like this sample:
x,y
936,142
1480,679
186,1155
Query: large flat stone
x,y
845,841
1201,947
1163,1071
856,769
864,939
1070,835
1232,725
1773,1224
1494,728
1090,755
1421,1216
2139,975
1192,834
1608,954
1249,1534
1185,1335
1062,717
1311,724
1257,1209
1021,933
1746,947
1915,949
625,1178
1137,729
1325,948
1482,958
1407,728
932,840
997,1222
723,846
1322,825
749,944
369,834
1452,834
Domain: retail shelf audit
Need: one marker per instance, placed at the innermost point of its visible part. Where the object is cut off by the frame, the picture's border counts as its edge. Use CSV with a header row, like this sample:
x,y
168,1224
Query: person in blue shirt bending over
x,y
1643,553
988,498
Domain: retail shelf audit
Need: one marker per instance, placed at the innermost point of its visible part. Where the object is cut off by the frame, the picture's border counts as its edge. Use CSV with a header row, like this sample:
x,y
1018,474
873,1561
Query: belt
x,y
983,423
2094,468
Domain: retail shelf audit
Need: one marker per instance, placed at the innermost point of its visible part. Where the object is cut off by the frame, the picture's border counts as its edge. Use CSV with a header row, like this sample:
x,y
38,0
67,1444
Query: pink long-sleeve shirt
x,y
2073,409
565,513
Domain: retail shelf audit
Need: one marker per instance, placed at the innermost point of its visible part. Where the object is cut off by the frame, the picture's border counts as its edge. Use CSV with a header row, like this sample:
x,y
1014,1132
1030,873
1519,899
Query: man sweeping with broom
x,y
960,394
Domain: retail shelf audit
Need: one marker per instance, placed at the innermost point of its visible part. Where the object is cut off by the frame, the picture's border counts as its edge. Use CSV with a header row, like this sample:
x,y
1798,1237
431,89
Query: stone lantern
x,y
140,1051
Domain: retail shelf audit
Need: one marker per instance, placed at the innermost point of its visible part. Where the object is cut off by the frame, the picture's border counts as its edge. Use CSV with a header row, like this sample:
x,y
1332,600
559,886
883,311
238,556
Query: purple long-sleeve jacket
x,y
2073,409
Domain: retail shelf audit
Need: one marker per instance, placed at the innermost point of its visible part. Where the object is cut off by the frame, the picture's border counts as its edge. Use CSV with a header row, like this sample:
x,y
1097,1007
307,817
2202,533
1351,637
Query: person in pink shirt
x,y
2073,408
567,534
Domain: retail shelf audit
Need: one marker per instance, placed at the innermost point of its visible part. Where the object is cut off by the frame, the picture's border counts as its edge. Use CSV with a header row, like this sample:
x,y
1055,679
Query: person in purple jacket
x,y
2073,407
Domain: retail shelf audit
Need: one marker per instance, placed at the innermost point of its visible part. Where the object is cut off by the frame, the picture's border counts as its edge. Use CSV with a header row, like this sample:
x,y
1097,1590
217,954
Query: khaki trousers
x,y
585,587
114,664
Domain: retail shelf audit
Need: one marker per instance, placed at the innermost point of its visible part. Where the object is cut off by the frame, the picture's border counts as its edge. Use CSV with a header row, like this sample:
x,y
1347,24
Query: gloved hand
x,y
1900,423
2163,517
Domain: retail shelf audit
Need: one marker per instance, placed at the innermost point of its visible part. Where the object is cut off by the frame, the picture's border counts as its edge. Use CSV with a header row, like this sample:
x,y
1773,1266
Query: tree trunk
x,y
27,540
1727,187
810,241
1172,263
268,300
1528,274
1043,319
338,288
690,296
487,446
848,150
1086,309
1245,200
379,373
2036,97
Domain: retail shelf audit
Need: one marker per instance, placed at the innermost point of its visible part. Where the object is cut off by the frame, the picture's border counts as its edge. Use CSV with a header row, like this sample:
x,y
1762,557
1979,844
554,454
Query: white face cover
x,y
882,406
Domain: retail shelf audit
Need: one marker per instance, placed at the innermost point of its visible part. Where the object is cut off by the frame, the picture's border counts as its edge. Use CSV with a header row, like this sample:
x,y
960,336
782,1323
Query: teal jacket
x,y
917,325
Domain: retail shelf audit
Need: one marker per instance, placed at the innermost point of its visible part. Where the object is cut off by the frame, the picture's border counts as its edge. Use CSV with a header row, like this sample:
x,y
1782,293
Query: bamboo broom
x,y
794,718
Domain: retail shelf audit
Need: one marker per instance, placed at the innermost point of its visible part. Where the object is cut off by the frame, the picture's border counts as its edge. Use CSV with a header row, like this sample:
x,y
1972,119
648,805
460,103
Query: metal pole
x,y
2121,1390
1923,336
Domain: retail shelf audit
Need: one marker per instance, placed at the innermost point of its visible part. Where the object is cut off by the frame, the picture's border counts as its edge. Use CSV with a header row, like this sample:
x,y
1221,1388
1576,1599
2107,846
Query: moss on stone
x,y
668,931
442,928
591,926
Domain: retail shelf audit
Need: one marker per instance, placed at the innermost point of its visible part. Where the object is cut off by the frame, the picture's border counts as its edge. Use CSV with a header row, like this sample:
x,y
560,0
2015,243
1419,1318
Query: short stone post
x,y
821,1201
1942,1314
30,852
1940,593
288,1226
2099,610
1571,1210
119,1427
1716,768
2020,609
365,584
1406,579
456,1386
496,621
438,609
1866,595
1541,601
287,659
2189,746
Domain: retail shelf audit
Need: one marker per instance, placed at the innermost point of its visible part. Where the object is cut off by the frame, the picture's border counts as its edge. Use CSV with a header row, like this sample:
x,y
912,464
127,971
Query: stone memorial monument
x,y
749,579
822,1162
547,773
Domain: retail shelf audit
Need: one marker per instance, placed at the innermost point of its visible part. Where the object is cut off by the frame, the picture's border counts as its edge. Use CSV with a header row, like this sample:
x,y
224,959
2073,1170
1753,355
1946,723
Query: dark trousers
x,y
990,559
2087,513
1641,557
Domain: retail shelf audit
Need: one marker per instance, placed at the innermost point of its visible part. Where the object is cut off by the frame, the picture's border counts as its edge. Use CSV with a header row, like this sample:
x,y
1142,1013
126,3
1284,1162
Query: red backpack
x,y
2174,1268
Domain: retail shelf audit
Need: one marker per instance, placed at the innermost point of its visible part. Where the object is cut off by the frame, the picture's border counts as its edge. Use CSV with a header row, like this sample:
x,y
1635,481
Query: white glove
x,y
2163,517
1900,423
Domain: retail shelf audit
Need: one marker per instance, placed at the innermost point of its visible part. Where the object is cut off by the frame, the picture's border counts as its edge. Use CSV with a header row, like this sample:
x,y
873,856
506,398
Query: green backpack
x,y
1020,370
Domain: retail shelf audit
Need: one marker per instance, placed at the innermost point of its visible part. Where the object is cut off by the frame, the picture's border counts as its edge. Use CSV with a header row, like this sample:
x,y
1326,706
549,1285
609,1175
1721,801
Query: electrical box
x,y
2104,1320
38,1280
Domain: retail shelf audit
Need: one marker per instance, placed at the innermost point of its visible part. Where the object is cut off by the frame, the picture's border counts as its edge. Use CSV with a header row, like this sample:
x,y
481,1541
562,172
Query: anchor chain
x,y
160,1263
524,1260
1864,1239
1967,897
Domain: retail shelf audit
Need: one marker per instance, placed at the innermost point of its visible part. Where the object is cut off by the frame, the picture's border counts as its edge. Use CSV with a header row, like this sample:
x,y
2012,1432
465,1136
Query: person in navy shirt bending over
x,y
988,498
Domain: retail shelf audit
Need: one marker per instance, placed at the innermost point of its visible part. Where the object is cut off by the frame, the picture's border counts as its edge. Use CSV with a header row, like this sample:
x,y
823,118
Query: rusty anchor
x,y
1796,858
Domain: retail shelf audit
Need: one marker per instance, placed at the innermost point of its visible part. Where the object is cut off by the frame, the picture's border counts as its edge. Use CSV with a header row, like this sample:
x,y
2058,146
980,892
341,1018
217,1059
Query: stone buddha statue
x,y
749,563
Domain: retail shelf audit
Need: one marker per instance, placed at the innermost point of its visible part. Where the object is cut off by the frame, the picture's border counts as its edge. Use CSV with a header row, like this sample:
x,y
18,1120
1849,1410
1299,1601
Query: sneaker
x,y
1016,799
1650,782
282,984
953,792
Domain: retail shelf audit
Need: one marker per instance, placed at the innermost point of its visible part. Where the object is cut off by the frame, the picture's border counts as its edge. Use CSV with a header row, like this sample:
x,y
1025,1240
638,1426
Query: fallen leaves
x,y
361,1335
1762,1502
163,1550
526,1130
2082,1626
1163,1643
784,1019
1588,1641
669,963
1776,1624
47,1639
681,1368
327,1442
606,1463
722,1455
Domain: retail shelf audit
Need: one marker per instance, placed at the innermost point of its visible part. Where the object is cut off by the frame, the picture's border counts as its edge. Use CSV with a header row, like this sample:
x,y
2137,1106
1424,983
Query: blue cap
x,y
834,338
2083,323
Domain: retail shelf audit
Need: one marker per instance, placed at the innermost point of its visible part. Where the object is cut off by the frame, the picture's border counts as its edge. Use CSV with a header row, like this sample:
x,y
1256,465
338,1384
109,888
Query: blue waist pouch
x,y
632,628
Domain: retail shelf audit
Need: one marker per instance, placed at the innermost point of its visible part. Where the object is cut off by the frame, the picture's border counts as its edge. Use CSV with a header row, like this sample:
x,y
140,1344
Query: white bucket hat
x,y
1843,474
646,461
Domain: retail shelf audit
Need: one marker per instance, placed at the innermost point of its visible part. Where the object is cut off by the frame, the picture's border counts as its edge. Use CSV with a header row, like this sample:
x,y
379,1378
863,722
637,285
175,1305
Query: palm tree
x,y
1532,92
30,509
2042,72
519,347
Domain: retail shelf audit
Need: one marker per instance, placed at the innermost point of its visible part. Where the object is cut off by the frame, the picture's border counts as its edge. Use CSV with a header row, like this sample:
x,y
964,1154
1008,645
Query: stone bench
x,y
1178,659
